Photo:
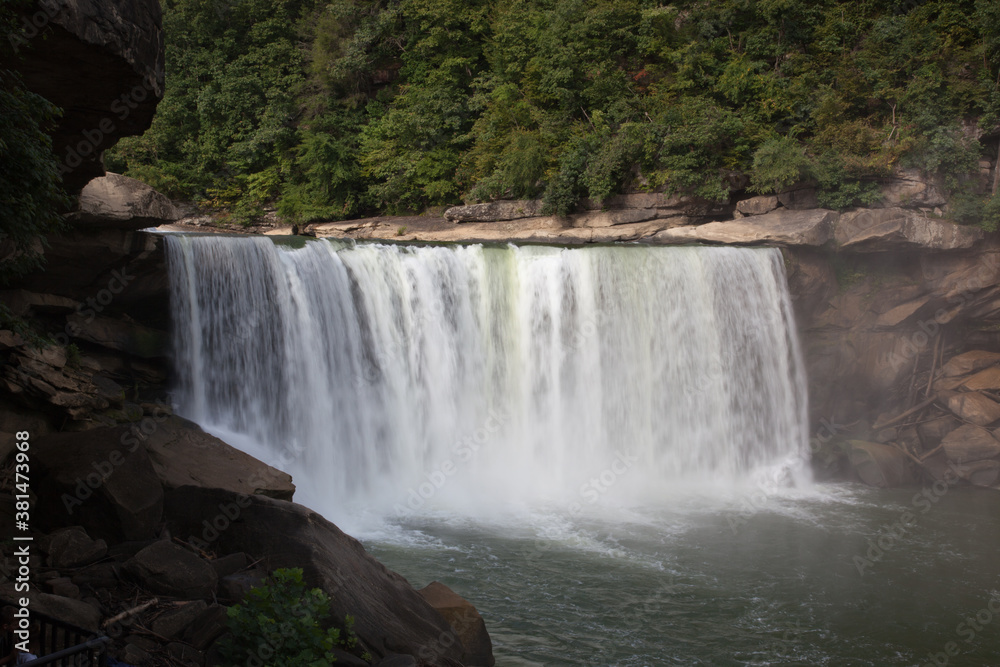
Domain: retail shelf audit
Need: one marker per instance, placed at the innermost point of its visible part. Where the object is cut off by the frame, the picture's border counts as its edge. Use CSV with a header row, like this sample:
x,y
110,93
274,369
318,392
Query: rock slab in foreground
x,y
785,227
465,619
184,455
390,616
164,567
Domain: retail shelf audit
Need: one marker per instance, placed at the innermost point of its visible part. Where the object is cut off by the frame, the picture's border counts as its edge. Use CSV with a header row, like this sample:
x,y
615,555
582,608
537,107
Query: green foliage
x,y
281,623
341,108
31,194
778,163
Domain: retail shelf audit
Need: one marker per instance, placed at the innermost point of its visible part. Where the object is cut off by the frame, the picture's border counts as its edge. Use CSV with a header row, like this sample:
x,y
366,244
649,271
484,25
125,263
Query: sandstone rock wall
x,y
102,62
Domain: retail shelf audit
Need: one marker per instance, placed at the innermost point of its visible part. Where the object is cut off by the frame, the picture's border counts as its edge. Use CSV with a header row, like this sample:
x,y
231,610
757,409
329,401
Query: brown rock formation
x,y
101,61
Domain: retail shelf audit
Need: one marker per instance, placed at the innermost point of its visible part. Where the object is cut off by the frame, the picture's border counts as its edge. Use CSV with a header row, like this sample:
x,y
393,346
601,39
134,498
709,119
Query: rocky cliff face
x,y
101,61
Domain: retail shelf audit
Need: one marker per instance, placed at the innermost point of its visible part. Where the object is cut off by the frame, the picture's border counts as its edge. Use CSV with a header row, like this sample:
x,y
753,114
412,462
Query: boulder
x,y
230,564
63,587
981,473
891,229
390,617
114,200
96,577
133,654
785,227
666,206
800,199
757,205
988,378
173,622
102,479
970,443
166,568
67,610
234,587
974,407
495,211
613,217
184,455
72,547
464,618
932,432
908,187
209,626
183,654
878,465
970,362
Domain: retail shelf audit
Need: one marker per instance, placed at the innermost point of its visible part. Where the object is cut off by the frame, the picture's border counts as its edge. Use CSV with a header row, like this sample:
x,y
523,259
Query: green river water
x,y
752,580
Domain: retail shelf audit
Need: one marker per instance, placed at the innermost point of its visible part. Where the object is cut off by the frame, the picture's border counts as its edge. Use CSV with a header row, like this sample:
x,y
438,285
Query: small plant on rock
x,y
281,623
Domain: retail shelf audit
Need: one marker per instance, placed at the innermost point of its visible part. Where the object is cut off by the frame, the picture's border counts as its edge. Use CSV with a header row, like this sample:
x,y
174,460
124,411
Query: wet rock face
x,y
102,62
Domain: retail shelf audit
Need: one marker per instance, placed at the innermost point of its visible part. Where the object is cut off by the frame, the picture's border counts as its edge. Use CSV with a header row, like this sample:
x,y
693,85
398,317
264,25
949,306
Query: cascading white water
x,y
477,377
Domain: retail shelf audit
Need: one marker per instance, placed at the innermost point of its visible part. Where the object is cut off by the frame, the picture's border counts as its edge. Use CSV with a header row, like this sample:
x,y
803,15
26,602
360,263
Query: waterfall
x,y
476,376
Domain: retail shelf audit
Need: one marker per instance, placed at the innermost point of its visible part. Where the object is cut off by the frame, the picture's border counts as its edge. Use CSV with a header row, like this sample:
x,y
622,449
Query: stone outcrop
x,y
102,305
893,229
465,620
184,455
780,227
908,187
102,62
121,202
113,479
495,211
970,443
168,569
757,205
390,616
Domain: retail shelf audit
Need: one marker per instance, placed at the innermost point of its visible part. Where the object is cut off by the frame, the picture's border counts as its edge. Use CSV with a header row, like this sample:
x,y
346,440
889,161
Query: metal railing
x,y
65,645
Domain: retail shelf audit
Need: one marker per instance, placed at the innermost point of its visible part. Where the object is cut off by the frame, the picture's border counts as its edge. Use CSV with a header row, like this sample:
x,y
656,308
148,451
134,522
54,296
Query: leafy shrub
x,y
779,163
31,194
281,623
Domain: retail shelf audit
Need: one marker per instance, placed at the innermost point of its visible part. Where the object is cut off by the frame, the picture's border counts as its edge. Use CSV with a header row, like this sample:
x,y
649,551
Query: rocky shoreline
x,y
161,527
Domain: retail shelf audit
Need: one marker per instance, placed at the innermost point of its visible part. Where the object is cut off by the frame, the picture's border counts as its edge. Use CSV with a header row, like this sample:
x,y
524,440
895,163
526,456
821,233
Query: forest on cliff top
x,y
332,109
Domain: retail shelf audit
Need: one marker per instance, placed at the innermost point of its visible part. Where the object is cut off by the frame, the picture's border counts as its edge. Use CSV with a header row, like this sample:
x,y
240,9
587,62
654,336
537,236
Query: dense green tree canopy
x,y
343,107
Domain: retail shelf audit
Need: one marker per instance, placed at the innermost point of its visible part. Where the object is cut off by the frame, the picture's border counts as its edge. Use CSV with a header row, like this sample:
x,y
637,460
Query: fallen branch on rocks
x,y
929,454
934,363
916,408
130,612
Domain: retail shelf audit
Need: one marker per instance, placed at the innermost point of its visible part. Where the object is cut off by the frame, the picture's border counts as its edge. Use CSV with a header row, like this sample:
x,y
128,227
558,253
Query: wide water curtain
x,y
480,375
